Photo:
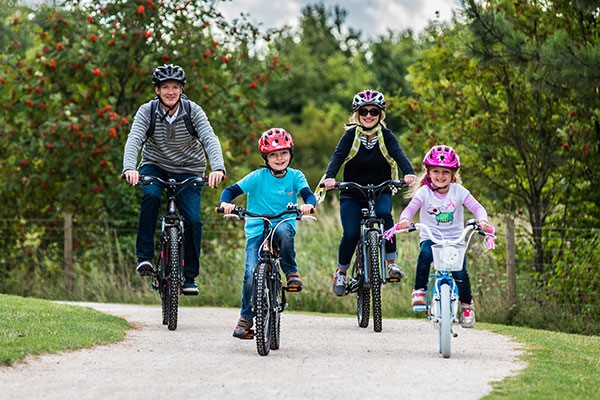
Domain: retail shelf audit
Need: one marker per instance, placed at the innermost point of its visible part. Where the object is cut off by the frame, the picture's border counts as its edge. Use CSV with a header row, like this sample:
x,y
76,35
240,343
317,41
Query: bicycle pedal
x,y
394,279
419,308
292,288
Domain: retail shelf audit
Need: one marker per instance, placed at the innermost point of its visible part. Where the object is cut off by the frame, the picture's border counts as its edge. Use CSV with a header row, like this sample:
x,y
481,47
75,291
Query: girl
x,y
440,196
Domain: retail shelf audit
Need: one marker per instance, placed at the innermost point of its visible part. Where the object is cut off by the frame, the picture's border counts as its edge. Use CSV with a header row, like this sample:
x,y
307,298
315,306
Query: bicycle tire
x,y
173,281
160,280
363,293
262,309
445,331
275,325
373,253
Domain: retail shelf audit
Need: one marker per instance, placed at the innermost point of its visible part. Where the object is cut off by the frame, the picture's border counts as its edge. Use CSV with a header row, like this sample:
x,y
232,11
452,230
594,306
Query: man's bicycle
x,y
168,277
268,297
442,291
369,271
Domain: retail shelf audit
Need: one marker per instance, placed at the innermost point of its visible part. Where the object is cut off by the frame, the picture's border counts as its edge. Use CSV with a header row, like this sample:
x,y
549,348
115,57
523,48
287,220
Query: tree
x,y
74,75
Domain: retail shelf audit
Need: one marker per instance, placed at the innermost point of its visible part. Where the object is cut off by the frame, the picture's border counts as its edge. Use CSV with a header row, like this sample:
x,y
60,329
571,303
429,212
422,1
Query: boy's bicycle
x,y
168,276
442,291
268,298
369,271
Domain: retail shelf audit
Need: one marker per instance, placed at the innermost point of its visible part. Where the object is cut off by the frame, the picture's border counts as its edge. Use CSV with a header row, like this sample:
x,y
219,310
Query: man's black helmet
x,y
168,72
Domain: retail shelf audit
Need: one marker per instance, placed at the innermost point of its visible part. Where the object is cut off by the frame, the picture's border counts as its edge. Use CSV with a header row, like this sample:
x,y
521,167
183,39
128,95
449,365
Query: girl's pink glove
x,y
390,233
490,241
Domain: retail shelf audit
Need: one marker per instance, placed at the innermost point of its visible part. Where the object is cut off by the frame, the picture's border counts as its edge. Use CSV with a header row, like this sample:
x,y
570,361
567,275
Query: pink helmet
x,y
442,156
368,97
275,139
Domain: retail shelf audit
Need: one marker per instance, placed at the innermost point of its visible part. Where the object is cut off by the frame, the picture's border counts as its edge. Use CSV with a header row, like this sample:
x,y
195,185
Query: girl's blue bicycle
x,y
442,291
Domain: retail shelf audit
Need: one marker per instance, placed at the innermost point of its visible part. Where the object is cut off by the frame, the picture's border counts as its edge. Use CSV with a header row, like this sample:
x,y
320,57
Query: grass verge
x,y
31,326
560,365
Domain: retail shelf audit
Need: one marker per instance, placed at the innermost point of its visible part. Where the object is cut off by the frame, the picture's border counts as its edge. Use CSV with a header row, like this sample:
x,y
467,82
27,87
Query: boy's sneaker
x,y
144,268
339,282
419,300
243,329
189,288
467,315
294,282
395,272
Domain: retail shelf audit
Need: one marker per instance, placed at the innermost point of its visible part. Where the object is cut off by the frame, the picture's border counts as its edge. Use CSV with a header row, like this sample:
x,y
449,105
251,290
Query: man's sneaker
x,y
144,268
467,316
189,288
243,329
419,300
395,272
294,282
339,282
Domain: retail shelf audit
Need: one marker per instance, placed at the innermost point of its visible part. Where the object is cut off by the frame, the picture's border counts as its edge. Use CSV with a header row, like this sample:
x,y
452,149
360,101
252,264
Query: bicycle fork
x,y
434,302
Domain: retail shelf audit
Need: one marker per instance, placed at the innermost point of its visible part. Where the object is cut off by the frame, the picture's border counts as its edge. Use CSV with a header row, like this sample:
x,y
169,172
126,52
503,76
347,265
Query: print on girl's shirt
x,y
443,214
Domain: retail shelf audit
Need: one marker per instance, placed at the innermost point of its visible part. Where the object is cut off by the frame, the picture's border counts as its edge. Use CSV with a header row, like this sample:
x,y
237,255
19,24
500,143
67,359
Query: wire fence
x,y
37,259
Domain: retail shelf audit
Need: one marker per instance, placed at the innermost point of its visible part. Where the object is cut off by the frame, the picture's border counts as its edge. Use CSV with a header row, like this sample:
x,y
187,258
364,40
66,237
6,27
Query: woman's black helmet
x,y
168,72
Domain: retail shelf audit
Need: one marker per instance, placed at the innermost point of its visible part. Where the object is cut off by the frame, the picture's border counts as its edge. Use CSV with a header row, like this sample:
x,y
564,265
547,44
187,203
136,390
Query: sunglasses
x,y
373,111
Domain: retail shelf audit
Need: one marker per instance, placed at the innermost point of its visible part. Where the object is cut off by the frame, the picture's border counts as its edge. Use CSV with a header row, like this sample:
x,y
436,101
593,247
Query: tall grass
x,y
104,272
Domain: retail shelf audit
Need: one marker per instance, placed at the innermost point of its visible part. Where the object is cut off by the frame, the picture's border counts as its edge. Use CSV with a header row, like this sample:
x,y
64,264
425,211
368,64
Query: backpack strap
x,y
187,118
150,131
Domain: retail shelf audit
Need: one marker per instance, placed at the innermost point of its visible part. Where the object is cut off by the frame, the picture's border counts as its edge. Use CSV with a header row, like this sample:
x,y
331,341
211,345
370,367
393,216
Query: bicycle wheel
x,y
173,281
363,293
373,258
445,331
277,308
262,309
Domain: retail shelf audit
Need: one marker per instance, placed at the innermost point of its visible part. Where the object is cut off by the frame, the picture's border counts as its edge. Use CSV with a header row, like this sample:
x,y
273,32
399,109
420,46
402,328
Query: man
x,y
171,151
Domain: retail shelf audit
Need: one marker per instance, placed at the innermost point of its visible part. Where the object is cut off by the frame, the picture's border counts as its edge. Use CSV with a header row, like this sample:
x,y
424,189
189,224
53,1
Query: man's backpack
x,y
185,102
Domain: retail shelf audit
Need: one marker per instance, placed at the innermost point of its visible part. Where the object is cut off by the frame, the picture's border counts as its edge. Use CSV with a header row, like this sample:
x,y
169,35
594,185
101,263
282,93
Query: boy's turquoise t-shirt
x,y
270,195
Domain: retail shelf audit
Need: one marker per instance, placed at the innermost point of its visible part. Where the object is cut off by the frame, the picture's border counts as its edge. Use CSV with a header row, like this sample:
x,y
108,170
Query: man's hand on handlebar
x,y
132,176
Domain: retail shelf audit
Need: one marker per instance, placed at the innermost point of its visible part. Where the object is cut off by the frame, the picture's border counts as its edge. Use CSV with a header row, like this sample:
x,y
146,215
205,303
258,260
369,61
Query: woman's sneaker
x,y
467,315
419,300
339,282
395,272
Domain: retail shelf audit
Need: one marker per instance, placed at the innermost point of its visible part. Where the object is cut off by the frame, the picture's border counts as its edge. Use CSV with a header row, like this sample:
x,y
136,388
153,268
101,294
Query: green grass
x,y
31,327
559,365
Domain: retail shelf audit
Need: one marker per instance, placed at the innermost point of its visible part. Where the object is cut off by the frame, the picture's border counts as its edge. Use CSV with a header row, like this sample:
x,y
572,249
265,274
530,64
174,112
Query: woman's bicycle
x,y
442,291
168,277
268,298
369,268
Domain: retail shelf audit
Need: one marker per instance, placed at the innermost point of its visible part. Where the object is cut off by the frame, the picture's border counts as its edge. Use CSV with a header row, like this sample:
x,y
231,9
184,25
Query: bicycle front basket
x,y
448,256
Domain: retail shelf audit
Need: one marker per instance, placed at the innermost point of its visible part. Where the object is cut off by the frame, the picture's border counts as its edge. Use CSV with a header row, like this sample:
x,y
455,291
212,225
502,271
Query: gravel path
x,y
320,358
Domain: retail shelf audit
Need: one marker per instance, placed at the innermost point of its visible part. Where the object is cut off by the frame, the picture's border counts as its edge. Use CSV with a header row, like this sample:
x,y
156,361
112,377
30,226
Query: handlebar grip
x,y
219,210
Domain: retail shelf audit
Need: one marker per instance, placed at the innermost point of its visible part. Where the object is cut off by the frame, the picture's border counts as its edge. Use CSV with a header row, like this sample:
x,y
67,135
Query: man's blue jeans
x,y
188,203
284,241
422,274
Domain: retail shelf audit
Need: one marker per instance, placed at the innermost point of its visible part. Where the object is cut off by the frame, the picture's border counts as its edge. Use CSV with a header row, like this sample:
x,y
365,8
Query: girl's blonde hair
x,y
420,181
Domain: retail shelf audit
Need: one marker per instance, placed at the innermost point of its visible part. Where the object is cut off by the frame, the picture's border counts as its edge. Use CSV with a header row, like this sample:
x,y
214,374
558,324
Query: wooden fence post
x,y
68,247
511,270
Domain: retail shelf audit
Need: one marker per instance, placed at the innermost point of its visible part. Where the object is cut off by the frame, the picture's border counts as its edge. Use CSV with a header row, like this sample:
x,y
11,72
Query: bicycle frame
x,y
268,296
442,291
169,276
369,270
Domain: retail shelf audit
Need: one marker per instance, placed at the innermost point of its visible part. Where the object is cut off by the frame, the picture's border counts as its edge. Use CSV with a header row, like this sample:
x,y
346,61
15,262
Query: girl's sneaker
x,y
467,316
419,300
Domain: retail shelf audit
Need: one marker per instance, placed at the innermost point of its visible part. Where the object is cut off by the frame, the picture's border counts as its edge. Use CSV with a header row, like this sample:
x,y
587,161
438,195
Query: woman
x,y
370,154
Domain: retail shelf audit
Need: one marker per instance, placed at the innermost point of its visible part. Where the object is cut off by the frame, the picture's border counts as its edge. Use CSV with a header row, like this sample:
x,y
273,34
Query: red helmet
x,y
442,156
275,139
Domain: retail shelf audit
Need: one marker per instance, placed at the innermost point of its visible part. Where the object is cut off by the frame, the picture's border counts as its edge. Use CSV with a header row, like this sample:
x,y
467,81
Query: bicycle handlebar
x,y
242,213
368,187
194,180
